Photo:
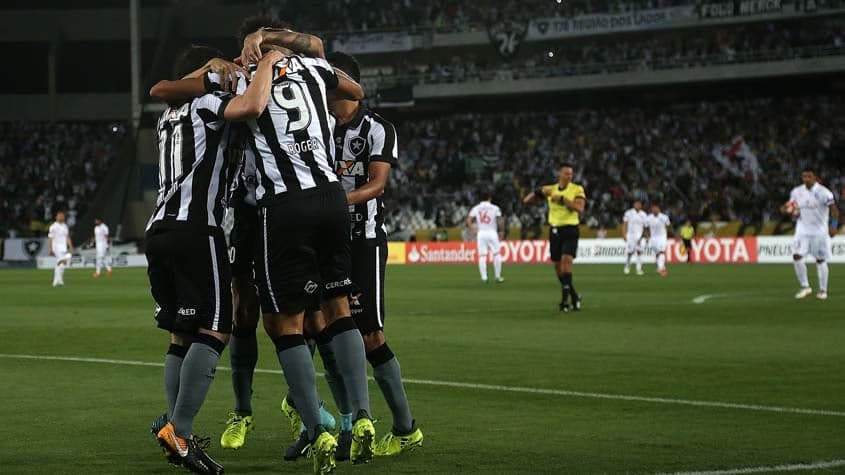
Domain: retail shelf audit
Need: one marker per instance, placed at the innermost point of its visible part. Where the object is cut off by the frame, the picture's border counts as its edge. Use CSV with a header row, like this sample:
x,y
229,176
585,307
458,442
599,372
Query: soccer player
x,y
817,220
687,232
102,242
490,228
366,150
59,243
657,223
188,267
633,224
303,262
566,201
243,348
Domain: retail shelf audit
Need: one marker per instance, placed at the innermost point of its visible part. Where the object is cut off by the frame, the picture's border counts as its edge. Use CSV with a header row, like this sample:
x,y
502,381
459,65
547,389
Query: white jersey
x,y
636,223
58,233
814,209
486,214
101,237
657,226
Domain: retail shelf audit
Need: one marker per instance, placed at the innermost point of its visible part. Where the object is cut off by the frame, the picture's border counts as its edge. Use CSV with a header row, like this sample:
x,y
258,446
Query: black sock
x,y
565,285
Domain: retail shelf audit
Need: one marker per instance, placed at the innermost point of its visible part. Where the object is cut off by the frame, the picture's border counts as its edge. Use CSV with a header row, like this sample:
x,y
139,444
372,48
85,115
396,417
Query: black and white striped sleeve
x,y
211,107
324,69
384,146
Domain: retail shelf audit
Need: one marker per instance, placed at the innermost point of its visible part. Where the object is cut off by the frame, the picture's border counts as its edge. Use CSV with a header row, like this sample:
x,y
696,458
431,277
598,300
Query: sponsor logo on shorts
x,y
311,287
338,283
187,312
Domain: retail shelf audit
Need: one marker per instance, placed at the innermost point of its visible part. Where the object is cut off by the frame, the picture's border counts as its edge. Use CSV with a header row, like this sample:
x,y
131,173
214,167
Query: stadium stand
x,y
709,161
45,166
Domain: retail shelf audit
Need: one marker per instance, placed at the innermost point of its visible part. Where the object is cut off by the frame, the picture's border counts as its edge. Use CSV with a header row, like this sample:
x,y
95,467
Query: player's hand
x,y
272,57
251,51
833,231
228,72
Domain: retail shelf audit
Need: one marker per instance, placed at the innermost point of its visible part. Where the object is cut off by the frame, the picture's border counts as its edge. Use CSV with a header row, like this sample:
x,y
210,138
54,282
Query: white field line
x,y
492,387
820,465
703,298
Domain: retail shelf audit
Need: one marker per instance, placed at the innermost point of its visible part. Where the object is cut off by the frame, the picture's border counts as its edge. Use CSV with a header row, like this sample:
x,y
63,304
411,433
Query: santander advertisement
x,y
745,250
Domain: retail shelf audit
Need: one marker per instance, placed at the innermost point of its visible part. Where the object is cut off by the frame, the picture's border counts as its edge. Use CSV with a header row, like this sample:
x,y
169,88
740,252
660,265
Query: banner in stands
x,y
549,28
24,249
745,250
89,260
740,8
368,43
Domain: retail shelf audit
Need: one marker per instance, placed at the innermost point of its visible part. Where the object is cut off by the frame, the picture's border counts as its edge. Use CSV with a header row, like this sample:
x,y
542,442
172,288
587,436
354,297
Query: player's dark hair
x,y
254,23
566,165
192,58
346,63
809,169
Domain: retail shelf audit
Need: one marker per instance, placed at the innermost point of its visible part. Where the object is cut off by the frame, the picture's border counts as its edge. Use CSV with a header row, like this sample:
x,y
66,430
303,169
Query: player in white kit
x,y
657,223
59,244
490,228
633,224
102,242
817,220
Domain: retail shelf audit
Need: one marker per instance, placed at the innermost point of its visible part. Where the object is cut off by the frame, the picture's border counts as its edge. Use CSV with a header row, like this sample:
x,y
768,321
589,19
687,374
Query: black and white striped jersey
x,y
292,139
365,139
193,164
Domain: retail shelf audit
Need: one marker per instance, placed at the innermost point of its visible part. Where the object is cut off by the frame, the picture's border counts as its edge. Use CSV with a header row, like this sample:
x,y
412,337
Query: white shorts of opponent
x,y
488,243
817,246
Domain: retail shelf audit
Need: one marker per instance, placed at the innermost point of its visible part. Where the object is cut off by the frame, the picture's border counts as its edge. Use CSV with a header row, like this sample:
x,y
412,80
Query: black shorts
x,y
369,260
190,280
563,241
242,239
302,252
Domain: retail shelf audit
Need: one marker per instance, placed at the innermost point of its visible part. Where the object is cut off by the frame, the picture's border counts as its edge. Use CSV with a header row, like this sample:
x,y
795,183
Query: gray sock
x,y
172,367
298,367
389,378
194,381
335,380
243,353
348,349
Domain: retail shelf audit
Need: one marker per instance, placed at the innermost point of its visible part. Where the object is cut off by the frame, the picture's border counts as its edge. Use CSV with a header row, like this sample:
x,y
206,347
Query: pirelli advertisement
x,y
746,250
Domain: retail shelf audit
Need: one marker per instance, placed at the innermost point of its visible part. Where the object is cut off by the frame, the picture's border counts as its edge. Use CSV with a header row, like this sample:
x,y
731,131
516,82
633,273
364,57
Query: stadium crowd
x,y
709,161
45,166
334,16
601,55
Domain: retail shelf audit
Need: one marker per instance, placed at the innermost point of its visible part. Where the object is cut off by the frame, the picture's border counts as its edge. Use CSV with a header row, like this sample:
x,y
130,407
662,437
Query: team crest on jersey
x,y
357,145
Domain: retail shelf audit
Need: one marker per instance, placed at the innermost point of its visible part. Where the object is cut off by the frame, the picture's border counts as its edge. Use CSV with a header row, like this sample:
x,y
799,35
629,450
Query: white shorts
x,y
101,253
61,254
632,245
658,245
488,242
817,246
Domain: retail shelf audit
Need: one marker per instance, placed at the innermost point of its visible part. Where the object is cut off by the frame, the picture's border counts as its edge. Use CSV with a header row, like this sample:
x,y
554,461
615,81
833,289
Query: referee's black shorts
x,y
563,241
302,251
369,259
190,280
242,239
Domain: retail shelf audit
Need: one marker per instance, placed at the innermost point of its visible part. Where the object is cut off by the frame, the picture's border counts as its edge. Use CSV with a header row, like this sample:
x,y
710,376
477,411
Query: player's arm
x,y
500,221
252,103
834,219
624,228
69,243
578,204
196,83
379,173
299,43
347,88
50,244
469,221
537,195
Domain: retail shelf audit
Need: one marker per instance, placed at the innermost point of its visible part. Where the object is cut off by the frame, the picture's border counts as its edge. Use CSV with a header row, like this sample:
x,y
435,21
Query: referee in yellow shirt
x,y
566,203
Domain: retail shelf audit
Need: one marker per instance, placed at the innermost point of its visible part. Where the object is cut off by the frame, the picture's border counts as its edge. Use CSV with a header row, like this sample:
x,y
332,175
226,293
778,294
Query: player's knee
x,y
797,257
277,324
373,340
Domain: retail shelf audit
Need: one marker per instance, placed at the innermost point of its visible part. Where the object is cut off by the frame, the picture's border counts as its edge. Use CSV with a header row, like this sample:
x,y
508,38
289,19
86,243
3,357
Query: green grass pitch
x,y
749,343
